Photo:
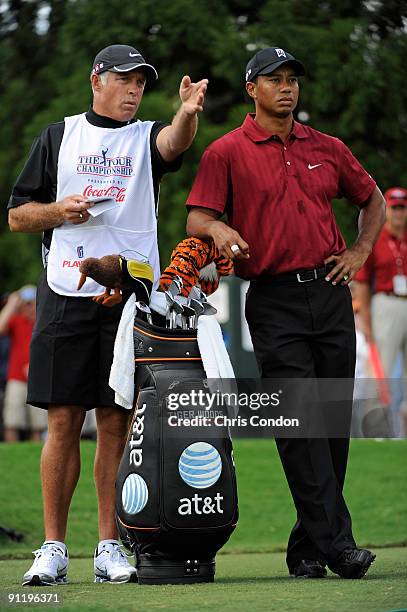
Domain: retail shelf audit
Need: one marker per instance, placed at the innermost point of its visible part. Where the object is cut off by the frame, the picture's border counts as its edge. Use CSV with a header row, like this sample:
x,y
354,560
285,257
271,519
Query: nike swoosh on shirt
x,y
312,167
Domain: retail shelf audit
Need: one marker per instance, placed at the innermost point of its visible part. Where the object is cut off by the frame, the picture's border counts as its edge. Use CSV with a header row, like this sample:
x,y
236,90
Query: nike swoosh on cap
x,y
134,54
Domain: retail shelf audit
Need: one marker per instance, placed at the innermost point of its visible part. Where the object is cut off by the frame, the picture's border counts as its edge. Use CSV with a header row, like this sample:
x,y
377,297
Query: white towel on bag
x,y
121,378
216,363
215,358
158,303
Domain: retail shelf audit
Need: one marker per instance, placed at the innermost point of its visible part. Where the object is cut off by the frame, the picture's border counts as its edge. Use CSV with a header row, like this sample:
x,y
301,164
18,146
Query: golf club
x,y
142,307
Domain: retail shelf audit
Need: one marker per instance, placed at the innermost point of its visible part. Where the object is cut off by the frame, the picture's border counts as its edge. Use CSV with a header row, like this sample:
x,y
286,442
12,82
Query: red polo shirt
x,y
381,265
278,195
20,331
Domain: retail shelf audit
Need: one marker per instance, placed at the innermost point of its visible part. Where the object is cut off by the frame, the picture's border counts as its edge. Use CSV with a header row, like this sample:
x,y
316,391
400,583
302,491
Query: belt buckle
x,y
307,280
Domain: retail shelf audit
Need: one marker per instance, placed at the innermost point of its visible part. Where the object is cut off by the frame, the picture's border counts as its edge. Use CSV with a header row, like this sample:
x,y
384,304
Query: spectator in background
x,y
361,369
382,287
4,350
17,321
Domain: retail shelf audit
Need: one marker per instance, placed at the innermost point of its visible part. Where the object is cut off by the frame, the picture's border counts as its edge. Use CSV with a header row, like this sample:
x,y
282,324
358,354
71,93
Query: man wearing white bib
x,y
102,153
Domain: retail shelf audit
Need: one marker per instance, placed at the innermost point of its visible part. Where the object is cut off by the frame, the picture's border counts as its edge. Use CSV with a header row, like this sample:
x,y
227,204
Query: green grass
x,y
243,582
375,489
251,573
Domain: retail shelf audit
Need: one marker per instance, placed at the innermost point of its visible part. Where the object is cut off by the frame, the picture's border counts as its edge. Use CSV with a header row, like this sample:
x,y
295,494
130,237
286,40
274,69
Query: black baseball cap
x,y
122,58
268,60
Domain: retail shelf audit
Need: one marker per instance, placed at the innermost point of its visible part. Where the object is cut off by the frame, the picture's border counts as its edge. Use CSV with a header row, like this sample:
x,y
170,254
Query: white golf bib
x,y
96,162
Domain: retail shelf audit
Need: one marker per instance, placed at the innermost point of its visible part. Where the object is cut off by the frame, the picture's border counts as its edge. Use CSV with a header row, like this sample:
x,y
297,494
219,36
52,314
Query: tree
x,y
355,53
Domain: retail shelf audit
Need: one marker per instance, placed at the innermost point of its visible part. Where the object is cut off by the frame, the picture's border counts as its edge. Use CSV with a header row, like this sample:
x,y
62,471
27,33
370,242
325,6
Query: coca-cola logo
x,y
118,193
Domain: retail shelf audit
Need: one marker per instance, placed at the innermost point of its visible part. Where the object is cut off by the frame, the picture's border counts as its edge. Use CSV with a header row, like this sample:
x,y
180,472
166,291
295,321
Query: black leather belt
x,y
302,276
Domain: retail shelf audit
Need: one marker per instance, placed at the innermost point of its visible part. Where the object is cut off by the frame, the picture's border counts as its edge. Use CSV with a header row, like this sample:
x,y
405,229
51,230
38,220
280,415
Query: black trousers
x,y
306,330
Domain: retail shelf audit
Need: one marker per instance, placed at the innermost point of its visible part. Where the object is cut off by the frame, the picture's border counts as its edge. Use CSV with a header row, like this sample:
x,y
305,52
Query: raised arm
x,y
11,307
177,137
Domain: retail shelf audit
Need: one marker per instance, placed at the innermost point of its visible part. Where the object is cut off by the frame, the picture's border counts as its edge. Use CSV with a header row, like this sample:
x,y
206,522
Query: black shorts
x,y
71,351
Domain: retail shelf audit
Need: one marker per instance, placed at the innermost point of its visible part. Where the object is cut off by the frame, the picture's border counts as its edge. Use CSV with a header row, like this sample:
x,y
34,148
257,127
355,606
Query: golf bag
x,y
176,496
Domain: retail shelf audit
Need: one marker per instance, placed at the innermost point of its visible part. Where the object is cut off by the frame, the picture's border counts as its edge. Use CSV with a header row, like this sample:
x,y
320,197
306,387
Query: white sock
x,y
60,544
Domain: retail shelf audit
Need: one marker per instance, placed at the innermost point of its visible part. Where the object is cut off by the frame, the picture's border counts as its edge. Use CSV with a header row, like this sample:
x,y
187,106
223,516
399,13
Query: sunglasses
x,y
399,207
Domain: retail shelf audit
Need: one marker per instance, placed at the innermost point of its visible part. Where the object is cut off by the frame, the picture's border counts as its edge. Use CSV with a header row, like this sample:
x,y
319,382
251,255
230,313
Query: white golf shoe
x,y
49,568
111,564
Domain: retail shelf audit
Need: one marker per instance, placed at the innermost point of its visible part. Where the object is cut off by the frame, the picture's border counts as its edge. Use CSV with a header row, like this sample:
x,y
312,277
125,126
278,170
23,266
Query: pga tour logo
x,y
79,251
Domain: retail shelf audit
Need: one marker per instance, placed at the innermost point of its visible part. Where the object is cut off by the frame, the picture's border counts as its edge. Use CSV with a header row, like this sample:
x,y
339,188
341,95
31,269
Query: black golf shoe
x,y
353,563
308,569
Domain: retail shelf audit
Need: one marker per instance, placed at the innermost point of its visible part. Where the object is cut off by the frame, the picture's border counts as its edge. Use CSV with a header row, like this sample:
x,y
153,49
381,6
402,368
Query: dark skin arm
x,y
204,223
371,220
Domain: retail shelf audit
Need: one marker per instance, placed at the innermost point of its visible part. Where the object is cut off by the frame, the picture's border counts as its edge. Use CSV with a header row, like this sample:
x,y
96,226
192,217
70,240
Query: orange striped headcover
x,y
187,260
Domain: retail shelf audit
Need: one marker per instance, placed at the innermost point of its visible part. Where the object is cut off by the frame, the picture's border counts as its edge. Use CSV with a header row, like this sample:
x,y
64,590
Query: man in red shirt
x,y
275,179
382,286
17,320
